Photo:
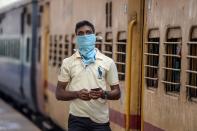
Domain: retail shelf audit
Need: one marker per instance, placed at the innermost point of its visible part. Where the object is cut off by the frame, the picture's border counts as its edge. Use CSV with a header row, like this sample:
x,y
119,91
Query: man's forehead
x,y
85,27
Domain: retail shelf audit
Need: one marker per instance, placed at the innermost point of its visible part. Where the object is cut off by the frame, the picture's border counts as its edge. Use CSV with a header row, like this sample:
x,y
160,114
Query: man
x,y
83,79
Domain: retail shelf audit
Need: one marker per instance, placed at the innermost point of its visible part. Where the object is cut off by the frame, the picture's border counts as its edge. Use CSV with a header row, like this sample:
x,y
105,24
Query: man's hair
x,y
84,23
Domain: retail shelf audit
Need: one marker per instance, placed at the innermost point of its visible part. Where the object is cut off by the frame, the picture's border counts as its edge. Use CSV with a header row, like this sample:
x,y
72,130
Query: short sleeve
x,y
64,75
112,75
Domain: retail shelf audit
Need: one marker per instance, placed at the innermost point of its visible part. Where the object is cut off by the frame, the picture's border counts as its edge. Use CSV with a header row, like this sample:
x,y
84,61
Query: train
x,y
153,43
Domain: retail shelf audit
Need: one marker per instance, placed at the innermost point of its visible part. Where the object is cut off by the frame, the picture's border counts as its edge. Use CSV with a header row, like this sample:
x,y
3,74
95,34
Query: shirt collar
x,y
98,54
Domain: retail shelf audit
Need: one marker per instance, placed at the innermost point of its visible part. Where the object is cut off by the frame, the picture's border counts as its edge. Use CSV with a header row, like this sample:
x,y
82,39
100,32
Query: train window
x,y
28,49
18,47
108,11
55,50
108,48
192,71
60,61
121,54
99,41
39,48
60,50
39,17
152,59
22,24
2,47
66,45
29,19
73,44
50,49
172,56
110,14
54,61
10,47
41,9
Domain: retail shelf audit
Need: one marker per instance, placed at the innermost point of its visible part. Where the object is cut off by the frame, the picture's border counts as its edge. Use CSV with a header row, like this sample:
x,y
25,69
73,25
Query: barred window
x,y
50,49
99,41
28,49
192,68
10,47
66,45
172,56
39,48
28,20
108,44
152,58
55,50
108,12
73,45
60,50
121,54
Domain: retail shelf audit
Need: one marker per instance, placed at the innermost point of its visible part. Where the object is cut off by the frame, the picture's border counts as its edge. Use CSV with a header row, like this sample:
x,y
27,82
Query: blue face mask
x,y
86,45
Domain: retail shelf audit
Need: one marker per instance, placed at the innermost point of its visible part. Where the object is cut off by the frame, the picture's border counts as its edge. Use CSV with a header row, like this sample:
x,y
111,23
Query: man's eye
x,y
80,33
89,32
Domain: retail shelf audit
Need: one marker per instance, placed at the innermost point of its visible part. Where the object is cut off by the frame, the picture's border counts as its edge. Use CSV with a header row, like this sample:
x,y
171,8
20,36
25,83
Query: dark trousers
x,y
86,124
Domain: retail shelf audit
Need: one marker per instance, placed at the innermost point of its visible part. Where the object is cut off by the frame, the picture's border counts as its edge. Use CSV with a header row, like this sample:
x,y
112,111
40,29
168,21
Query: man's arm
x,y
65,95
114,94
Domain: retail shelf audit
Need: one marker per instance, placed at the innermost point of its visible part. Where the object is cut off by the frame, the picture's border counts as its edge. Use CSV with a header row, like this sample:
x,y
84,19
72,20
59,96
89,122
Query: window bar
x,y
152,43
172,43
108,43
151,78
190,86
121,63
151,54
123,53
192,43
191,71
173,69
191,56
150,66
108,52
121,43
171,55
171,83
121,73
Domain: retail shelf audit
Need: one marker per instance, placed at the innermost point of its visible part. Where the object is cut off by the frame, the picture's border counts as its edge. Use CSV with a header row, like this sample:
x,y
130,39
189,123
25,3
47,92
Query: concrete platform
x,y
11,120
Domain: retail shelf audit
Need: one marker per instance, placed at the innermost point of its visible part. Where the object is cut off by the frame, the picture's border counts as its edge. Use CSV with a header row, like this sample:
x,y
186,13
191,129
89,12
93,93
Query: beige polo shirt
x,y
95,75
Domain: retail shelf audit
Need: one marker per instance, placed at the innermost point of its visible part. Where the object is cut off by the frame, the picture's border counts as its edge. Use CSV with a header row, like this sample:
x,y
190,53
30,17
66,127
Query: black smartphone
x,y
96,89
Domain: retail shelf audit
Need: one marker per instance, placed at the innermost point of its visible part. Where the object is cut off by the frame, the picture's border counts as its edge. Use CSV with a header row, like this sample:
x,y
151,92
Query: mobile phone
x,y
96,89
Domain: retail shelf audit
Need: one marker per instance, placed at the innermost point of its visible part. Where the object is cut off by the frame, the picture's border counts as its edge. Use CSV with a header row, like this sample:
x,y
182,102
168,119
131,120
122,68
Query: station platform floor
x,y
11,120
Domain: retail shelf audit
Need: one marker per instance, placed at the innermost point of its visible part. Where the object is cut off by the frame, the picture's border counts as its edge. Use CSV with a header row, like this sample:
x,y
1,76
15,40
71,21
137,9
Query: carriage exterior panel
x,y
168,106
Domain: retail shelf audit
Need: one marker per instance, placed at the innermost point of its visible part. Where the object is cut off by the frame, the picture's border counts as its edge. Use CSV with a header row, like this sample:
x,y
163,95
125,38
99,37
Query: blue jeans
x,y
76,123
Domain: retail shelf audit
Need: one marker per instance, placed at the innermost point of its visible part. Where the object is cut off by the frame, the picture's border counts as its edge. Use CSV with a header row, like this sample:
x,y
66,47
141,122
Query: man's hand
x,y
96,93
83,94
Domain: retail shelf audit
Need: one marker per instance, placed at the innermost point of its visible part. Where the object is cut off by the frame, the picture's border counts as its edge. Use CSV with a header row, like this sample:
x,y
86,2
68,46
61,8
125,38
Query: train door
x,y
134,65
44,55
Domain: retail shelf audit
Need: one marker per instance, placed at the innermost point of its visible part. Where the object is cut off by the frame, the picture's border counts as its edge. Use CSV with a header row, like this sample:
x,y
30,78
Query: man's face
x,y
84,30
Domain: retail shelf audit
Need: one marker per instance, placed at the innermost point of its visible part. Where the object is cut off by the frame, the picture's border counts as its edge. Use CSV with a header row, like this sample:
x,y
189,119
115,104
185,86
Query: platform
x,y
11,120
